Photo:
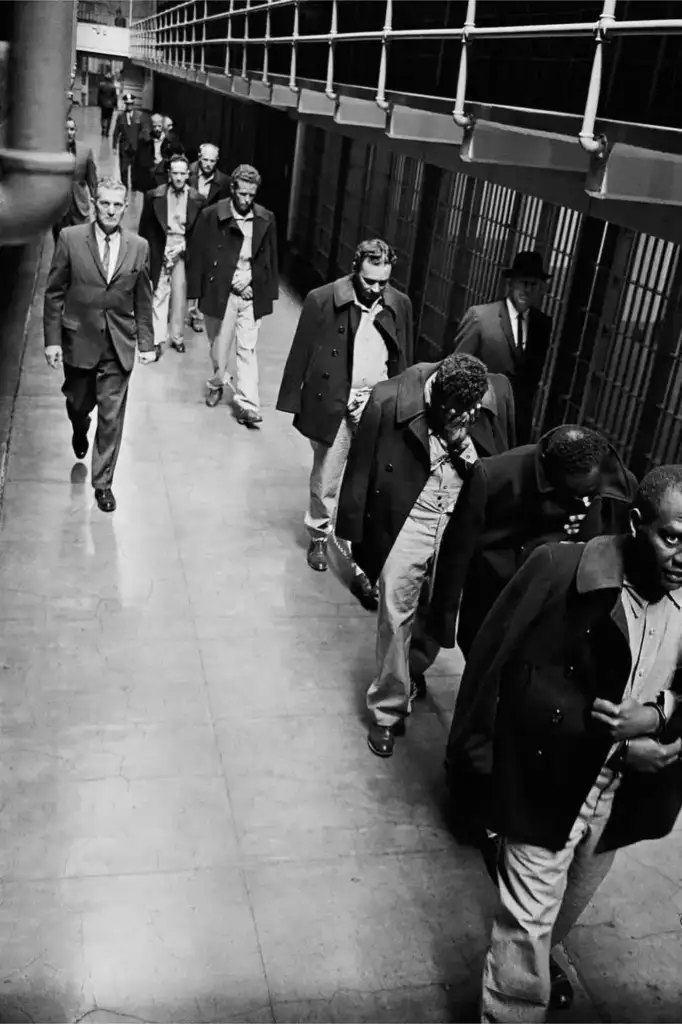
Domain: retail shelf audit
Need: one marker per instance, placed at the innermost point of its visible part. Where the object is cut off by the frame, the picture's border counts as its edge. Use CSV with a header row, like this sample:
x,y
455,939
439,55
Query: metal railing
x,y
177,37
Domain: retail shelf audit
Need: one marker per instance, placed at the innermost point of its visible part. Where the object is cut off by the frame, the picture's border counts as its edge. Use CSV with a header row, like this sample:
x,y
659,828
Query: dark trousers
x,y
125,162
106,115
104,386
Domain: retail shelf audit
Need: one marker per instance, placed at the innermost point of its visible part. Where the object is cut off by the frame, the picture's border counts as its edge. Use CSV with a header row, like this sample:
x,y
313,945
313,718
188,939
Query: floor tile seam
x,y
209,702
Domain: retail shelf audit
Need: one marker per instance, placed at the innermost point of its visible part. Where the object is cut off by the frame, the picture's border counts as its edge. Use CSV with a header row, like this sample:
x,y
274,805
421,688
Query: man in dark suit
x,y
234,274
154,150
127,137
511,336
107,100
83,186
571,485
169,216
98,306
213,185
405,470
565,741
352,333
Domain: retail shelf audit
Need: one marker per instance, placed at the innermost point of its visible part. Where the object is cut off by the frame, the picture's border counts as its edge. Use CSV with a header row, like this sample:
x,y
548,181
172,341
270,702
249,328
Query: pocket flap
x,y
69,323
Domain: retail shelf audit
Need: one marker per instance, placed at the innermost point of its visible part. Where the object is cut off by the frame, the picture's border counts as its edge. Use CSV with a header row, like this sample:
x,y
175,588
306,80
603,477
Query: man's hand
x,y
147,357
247,293
53,356
649,756
627,720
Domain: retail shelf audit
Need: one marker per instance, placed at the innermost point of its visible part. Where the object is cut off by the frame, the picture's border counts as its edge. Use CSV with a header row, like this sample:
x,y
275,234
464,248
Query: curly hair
x,y
375,251
572,450
460,383
247,174
654,488
110,183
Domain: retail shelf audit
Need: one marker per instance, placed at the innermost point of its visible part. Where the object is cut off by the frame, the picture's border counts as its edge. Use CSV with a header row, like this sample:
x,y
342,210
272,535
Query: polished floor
x,y
193,828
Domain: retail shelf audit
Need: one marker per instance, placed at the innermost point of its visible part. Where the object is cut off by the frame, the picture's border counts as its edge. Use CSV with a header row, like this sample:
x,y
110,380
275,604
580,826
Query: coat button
x,y
342,329
211,278
389,467
318,395
215,263
557,716
335,351
325,376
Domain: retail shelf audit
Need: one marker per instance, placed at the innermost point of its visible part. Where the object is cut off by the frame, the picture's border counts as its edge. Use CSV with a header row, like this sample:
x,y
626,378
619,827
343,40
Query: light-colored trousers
x,y
237,330
404,594
170,293
542,895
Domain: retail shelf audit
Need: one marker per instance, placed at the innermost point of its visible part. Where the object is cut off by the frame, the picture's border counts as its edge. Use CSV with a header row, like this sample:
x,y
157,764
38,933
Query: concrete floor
x,y
193,828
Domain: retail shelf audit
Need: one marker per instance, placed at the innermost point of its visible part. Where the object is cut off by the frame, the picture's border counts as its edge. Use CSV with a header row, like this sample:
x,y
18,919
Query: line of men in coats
x,y
417,472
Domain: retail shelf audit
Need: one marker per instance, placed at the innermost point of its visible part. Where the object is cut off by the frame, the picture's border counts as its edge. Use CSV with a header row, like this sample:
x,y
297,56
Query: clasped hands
x,y
635,722
244,292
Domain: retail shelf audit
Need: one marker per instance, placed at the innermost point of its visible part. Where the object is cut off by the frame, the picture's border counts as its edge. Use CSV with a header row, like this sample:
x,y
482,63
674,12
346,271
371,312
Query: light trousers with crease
x,y
238,332
170,294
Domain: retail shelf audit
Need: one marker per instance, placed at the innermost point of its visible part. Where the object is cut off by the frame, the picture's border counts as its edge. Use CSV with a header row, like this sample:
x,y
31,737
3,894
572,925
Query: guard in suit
x,y
511,336
234,275
83,186
127,137
169,216
407,463
213,185
107,101
352,333
154,150
98,307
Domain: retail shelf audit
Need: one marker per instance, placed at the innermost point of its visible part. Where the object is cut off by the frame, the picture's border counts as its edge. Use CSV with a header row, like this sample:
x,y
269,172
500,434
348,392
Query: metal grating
x,y
352,214
404,199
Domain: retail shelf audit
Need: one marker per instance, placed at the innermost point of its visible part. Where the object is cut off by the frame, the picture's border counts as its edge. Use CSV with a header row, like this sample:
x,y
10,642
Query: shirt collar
x,y
241,216
184,191
344,294
601,568
101,235
513,311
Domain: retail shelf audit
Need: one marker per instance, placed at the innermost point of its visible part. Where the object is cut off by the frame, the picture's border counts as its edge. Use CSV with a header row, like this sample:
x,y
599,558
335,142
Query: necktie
x,y
129,119
520,340
107,256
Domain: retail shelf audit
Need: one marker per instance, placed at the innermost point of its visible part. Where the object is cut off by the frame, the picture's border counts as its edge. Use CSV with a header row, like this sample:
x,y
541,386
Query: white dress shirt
x,y
242,274
518,320
370,355
114,248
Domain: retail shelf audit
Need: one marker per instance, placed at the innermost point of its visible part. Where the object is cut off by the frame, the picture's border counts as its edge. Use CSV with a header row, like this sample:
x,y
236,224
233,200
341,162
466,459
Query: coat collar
x,y
411,401
614,478
601,565
344,294
261,221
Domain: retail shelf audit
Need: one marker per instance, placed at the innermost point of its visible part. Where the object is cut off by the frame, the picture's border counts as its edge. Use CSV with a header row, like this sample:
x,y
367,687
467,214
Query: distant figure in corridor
x,y
571,485
234,275
352,334
107,101
127,138
98,306
169,216
83,186
565,743
154,150
408,460
511,336
213,185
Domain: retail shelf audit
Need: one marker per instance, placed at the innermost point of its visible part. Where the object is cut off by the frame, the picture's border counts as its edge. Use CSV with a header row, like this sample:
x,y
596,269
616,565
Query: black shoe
x,y
365,592
213,396
417,689
381,740
317,555
561,997
249,418
79,443
105,499
179,346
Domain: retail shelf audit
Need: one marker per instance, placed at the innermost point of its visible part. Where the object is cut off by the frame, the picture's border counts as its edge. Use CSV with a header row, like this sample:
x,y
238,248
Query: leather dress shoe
x,y
317,555
105,499
179,346
365,592
79,443
249,418
561,997
381,738
213,397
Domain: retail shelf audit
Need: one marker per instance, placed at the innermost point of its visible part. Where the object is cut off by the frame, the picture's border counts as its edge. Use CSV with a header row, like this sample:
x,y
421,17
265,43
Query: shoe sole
x,y
318,568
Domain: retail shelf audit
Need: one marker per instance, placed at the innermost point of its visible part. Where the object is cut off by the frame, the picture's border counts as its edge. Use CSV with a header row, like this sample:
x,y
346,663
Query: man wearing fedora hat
x,y
511,336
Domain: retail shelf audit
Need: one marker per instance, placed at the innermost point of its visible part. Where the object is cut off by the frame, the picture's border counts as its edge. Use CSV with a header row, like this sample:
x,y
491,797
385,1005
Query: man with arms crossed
x,y
98,307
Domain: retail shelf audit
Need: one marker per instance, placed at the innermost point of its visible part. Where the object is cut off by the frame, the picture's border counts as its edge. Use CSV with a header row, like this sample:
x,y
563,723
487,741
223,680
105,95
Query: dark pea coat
x,y
390,462
318,373
524,751
216,245
219,188
486,331
508,507
154,226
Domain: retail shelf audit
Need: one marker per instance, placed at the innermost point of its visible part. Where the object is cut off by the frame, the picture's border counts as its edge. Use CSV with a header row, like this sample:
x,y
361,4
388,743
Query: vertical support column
x,y
341,182
426,219
294,49
228,69
329,87
245,47
383,63
464,246
266,52
297,170
203,38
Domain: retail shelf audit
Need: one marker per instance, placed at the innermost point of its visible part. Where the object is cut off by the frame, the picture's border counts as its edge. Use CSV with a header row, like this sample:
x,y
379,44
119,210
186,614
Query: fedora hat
x,y
527,264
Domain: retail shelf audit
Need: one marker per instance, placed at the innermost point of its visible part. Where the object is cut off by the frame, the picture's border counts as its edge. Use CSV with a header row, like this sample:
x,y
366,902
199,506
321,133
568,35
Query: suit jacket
x,y
486,332
147,172
220,186
390,462
216,246
523,750
318,372
81,308
511,508
107,97
83,188
127,136
154,226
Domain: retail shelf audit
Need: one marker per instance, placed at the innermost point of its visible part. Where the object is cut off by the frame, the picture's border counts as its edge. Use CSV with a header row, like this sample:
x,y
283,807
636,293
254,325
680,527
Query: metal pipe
x,y
245,59
35,167
462,119
591,143
228,41
329,88
294,43
381,100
